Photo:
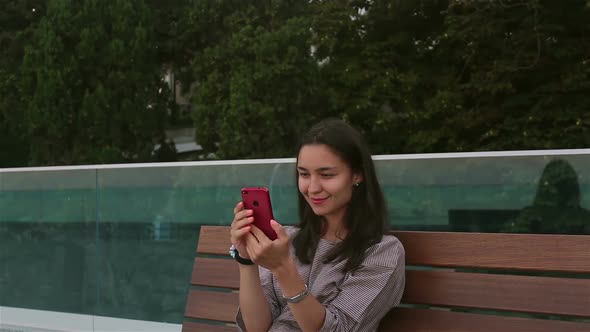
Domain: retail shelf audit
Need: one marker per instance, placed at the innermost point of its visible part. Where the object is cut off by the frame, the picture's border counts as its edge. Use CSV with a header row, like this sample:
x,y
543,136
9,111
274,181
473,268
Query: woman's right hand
x,y
240,228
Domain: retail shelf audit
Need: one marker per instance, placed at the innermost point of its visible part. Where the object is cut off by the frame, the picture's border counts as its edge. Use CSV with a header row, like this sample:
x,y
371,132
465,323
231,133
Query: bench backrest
x,y
455,282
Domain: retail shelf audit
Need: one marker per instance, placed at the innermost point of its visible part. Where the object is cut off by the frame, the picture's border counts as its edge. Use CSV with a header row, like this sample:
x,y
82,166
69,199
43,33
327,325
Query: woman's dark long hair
x,y
366,215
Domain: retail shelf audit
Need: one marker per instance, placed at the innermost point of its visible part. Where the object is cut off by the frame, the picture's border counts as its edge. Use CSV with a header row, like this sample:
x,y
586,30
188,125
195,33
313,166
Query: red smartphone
x,y
257,199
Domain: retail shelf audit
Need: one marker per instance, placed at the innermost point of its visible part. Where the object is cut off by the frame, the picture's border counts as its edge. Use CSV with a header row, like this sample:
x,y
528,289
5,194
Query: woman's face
x,y
325,180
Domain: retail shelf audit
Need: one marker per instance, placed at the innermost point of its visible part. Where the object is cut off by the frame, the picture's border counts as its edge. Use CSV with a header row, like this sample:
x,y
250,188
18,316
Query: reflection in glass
x,y
556,207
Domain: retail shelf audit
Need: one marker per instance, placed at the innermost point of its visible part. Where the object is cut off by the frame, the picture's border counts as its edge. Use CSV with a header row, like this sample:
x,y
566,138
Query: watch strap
x,y
235,254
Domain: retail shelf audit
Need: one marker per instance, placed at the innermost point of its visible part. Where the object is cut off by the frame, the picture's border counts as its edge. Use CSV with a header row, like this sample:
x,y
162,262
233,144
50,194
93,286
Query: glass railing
x,y
119,240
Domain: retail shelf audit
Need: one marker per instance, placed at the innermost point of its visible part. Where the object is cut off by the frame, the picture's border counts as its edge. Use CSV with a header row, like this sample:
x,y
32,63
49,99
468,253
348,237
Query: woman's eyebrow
x,y
321,169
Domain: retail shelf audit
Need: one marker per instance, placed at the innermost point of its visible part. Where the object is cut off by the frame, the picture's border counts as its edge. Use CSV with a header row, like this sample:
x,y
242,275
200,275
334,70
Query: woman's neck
x,y
335,229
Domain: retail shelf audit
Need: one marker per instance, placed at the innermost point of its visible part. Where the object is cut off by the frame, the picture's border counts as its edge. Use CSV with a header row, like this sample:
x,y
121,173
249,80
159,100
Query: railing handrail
x,y
449,155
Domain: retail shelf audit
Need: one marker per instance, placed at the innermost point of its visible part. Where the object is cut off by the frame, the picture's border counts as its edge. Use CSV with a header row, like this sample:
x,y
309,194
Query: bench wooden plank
x,y
426,320
214,272
203,306
217,306
198,327
214,240
561,296
543,252
547,295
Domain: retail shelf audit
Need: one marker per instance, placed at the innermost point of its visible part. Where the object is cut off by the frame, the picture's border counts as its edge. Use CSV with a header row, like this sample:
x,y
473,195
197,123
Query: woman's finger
x,y
243,214
240,232
239,207
240,223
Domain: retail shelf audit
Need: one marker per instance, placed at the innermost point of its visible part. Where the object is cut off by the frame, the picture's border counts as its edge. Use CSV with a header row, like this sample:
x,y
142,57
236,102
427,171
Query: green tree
x,y
379,66
16,21
257,83
94,84
520,73
167,19
415,76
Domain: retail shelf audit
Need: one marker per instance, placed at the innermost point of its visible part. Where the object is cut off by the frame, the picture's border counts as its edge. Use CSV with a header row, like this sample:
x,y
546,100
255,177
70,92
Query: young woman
x,y
336,271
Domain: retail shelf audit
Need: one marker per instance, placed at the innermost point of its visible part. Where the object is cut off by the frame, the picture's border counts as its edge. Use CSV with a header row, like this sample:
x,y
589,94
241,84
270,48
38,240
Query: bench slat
x,y
560,296
214,240
543,252
217,306
399,320
213,272
424,320
198,327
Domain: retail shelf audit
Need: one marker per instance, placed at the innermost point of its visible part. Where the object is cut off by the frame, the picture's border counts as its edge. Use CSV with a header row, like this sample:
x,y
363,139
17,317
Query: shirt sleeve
x,y
370,292
267,283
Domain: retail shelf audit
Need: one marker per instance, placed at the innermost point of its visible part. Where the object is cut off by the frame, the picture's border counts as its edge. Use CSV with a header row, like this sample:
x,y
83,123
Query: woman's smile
x,y
318,201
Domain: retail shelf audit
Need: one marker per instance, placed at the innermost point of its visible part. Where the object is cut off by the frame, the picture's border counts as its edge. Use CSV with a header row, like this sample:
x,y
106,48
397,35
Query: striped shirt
x,y
353,301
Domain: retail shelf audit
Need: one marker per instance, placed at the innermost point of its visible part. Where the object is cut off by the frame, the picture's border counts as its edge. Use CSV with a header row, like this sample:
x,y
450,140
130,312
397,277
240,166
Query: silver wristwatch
x,y
299,297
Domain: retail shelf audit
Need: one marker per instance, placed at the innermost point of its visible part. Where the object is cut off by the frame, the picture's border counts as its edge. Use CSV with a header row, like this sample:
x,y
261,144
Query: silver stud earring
x,y
357,184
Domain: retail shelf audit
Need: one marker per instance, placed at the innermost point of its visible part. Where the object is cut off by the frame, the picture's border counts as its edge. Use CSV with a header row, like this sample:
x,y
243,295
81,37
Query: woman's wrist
x,y
286,273
243,267
294,289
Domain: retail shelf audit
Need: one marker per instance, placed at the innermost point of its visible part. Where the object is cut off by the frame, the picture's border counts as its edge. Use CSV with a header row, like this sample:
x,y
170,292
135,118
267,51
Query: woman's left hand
x,y
267,253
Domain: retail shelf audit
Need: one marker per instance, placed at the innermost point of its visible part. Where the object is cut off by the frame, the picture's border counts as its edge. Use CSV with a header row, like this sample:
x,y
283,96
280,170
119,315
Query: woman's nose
x,y
314,185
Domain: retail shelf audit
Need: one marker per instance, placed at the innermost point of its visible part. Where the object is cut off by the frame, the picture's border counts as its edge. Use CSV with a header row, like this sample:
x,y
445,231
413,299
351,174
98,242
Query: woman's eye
x,y
329,175
303,175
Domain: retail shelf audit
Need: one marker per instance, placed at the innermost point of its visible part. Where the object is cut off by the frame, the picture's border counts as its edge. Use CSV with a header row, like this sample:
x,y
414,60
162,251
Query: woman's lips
x,y
318,200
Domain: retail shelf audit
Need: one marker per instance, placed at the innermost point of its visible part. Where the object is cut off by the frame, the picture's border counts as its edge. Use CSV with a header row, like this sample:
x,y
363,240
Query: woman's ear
x,y
357,178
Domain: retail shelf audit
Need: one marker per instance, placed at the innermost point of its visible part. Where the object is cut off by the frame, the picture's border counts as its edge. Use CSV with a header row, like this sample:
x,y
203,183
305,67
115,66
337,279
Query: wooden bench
x,y
455,282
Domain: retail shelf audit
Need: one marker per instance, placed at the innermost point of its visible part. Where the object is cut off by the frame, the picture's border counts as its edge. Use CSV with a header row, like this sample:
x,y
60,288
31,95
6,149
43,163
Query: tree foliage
x,y
379,70
17,20
414,76
521,74
256,82
95,86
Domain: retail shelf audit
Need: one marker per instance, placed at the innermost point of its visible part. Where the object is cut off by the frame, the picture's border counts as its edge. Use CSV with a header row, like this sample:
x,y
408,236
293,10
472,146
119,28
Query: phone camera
x,y
244,192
